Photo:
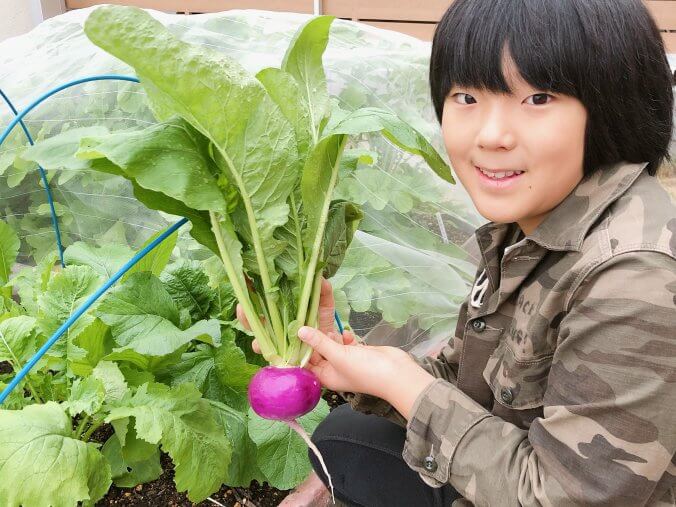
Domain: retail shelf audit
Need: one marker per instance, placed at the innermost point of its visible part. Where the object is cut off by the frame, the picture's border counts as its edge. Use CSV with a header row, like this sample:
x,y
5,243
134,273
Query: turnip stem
x,y
293,424
275,319
299,237
80,427
95,425
16,366
305,350
308,284
267,347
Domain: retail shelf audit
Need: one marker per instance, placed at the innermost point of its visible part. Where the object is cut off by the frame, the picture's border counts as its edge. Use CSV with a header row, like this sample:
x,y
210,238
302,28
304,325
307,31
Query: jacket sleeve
x,y
608,434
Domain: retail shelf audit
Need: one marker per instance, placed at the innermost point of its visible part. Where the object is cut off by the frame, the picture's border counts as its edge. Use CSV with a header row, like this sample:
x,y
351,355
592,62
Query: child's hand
x,y
386,372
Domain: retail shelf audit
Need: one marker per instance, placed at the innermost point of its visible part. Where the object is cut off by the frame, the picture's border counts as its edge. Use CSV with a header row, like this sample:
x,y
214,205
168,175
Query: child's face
x,y
539,134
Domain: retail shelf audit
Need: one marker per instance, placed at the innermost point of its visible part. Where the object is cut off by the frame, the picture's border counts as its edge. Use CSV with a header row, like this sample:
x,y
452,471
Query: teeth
x,y
501,174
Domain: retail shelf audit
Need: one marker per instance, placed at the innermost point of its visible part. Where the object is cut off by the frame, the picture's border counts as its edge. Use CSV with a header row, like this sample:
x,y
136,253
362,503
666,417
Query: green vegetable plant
x,y
156,364
252,161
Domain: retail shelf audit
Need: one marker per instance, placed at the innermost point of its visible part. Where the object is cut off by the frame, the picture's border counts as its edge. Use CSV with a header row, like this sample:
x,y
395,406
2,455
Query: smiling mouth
x,y
499,174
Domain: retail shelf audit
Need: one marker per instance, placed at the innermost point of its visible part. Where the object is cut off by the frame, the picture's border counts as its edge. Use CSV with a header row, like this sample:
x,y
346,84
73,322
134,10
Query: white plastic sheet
x,y
405,273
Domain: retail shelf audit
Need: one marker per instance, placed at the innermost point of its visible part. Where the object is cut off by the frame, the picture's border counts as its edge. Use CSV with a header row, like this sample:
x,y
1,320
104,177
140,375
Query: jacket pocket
x,y
517,384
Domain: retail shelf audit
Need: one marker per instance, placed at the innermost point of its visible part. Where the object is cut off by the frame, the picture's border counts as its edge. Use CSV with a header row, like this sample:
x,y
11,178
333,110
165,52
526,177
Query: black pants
x,y
363,455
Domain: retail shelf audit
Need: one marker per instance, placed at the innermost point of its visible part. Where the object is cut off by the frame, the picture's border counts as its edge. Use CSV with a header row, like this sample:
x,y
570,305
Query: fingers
x,y
327,306
242,318
321,343
255,347
348,338
316,357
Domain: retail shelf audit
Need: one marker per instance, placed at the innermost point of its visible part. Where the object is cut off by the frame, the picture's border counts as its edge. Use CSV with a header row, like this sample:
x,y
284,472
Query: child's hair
x,y
606,53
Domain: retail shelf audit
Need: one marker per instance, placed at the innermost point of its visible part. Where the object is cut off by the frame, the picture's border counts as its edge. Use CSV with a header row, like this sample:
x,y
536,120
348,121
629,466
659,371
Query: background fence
x,y
412,17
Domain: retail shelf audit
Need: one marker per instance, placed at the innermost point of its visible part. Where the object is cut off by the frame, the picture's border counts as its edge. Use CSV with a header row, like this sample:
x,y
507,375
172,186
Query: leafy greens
x,y
252,161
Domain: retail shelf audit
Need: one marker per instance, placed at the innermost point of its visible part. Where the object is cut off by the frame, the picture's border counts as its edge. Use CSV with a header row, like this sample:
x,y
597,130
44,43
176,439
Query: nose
x,y
496,130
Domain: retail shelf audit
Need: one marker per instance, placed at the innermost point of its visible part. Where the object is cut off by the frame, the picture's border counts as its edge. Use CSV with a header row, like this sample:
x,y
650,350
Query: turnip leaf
x,y
303,61
185,426
143,317
281,453
37,441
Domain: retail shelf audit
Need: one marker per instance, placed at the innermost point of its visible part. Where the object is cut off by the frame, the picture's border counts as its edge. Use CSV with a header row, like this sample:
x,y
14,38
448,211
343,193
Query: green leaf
x,y
66,291
9,248
136,377
188,286
343,221
201,225
86,395
144,318
41,464
243,466
288,95
303,60
233,371
156,260
220,373
282,454
57,152
130,98
31,282
96,341
320,176
147,364
184,424
127,474
224,304
195,367
17,340
169,157
105,260
372,119
16,399
113,380
133,449
360,293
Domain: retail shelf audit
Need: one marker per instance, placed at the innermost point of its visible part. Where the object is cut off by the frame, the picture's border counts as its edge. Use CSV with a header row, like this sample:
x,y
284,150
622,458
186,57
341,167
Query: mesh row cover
x,y
407,270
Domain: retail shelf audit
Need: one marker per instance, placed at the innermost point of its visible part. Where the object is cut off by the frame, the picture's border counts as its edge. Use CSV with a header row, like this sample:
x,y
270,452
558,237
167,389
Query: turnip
x,y
283,394
252,162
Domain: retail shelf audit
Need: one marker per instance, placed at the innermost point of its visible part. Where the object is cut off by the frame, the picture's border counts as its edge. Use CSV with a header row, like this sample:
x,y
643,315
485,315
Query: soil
x,y
5,367
162,491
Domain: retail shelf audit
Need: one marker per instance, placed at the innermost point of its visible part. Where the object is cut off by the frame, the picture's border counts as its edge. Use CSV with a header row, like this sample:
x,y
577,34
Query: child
x,y
559,386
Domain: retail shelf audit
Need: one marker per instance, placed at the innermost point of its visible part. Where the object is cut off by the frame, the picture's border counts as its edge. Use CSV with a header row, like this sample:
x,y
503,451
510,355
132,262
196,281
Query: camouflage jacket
x,y
559,386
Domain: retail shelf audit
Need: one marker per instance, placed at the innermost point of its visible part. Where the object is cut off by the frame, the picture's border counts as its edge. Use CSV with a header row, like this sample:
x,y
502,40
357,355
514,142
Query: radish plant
x,y
253,162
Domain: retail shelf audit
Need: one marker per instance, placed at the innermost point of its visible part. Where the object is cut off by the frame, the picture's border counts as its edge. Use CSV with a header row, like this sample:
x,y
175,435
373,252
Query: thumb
x,y
321,343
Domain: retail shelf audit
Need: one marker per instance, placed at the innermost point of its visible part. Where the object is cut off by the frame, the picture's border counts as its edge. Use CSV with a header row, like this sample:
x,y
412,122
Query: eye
x,y
540,99
467,97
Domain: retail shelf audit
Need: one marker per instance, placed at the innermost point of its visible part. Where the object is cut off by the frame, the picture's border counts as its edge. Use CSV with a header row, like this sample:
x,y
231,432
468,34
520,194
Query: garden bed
x,y
162,491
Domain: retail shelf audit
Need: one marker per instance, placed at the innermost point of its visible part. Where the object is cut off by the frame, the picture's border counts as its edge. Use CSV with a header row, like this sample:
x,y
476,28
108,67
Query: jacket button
x,y
507,395
479,325
430,464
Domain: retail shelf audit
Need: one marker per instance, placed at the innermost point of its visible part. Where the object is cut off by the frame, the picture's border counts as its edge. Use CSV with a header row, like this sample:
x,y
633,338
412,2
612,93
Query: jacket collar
x,y
566,226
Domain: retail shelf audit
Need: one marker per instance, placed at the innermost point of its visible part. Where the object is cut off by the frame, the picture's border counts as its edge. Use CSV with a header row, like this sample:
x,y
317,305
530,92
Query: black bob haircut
x,y
606,53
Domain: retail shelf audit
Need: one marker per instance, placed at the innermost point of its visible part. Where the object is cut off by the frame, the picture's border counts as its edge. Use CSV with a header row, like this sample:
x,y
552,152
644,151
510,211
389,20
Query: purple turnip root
x,y
283,394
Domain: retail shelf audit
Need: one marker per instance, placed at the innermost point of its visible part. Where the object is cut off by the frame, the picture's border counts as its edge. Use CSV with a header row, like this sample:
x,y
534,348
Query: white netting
x,y
406,272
